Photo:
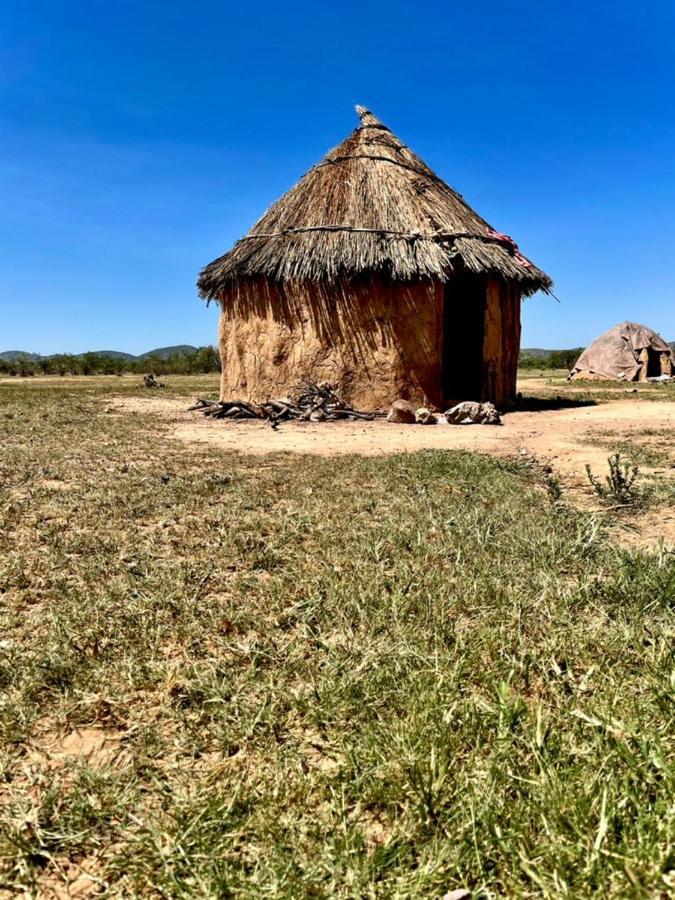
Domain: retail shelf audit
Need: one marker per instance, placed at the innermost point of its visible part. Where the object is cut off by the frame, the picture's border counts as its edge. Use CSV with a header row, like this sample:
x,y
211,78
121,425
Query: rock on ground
x,y
471,413
424,416
401,412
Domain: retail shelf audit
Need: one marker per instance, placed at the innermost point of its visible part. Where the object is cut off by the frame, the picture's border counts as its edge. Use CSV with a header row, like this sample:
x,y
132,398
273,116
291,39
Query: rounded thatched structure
x,y
626,352
375,275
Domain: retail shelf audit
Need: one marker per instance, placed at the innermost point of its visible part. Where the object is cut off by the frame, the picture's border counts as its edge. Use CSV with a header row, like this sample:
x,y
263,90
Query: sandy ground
x,y
552,437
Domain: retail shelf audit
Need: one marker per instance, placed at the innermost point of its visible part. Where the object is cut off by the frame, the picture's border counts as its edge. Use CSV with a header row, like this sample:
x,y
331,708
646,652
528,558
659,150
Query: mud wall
x,y
501,342
375,340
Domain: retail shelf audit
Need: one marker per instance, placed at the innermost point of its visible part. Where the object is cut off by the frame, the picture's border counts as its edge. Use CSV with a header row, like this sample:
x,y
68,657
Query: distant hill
x,y
161,353
16,355
10,356
534,353
164,352
114,354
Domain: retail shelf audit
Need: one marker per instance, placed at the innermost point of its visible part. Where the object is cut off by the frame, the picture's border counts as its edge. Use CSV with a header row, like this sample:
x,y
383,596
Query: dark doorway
x,y
463,329
653,363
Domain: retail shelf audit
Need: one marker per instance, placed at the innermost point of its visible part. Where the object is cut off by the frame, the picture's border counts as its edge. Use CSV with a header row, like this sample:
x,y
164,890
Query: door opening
x,y
653,363
463,332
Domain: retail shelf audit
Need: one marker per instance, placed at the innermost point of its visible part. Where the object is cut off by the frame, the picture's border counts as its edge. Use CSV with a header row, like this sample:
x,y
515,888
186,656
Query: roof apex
x,y
370,207
368,120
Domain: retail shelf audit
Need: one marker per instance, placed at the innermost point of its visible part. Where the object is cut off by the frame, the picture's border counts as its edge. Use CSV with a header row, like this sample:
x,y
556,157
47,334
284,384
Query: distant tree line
x,y
196,362
553,359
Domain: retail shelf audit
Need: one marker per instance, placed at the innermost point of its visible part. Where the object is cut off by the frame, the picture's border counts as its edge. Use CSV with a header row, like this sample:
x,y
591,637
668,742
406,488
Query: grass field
x,y
547,382
655,447
300,677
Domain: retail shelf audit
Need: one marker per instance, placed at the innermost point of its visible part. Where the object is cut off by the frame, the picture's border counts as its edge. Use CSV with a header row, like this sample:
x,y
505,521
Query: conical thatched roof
x,y
370,206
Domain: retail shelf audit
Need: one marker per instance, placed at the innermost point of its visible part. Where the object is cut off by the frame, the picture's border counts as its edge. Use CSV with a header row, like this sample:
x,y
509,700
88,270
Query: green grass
x,y
102,386
555,382
652,447
320,678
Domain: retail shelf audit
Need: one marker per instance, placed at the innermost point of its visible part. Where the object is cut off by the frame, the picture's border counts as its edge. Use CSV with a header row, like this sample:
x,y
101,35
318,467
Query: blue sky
x,y
138,140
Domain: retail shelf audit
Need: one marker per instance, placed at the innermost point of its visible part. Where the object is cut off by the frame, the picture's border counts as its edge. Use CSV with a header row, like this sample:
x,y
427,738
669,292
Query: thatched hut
x,y
626,352
373,274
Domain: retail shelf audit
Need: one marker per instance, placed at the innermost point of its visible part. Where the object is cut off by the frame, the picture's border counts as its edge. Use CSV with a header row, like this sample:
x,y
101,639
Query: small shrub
x,y
619,486
553,488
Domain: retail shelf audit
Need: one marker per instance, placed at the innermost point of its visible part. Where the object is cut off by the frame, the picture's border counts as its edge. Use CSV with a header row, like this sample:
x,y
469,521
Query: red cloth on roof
x,y
505,239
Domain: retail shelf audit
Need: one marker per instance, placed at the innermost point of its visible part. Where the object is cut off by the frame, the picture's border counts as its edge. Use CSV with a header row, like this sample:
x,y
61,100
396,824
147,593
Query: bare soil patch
x,y
552,436
95,746
558,438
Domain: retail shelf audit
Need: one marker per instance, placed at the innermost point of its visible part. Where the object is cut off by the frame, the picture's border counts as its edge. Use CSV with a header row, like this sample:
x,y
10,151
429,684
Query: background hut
x,y
375,275
626,352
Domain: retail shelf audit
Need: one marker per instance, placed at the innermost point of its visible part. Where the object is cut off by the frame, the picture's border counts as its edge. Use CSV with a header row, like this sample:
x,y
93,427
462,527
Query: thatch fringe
x,y
371,207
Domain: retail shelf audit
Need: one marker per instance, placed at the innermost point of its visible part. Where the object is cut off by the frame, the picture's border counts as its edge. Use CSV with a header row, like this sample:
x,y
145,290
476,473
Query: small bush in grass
x,y
553,488
619,486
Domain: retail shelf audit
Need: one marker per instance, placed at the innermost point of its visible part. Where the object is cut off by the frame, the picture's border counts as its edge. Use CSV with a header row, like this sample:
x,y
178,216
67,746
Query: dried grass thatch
x,y
371,206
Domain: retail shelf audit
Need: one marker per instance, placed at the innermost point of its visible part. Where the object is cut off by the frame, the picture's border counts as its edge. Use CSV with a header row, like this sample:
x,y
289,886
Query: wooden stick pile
x,y
311,403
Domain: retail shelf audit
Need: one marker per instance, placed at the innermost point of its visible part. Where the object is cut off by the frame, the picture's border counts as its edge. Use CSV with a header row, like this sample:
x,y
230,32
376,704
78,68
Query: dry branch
x,y
311,402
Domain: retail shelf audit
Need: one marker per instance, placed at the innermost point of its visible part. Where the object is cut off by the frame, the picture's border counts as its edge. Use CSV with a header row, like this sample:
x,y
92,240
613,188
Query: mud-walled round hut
x,y
373,274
